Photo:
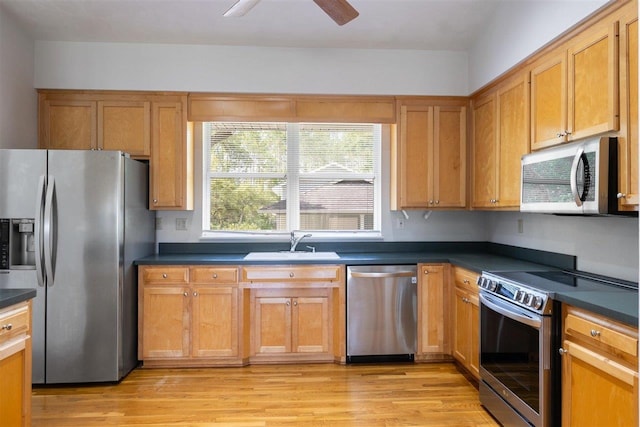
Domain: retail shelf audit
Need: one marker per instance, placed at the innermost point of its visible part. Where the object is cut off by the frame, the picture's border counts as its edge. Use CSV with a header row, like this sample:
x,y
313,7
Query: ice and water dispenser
x,y
17,245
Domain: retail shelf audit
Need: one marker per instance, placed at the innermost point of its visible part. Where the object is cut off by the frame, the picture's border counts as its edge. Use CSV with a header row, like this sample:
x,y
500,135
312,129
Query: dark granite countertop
x,y
14,296
618,305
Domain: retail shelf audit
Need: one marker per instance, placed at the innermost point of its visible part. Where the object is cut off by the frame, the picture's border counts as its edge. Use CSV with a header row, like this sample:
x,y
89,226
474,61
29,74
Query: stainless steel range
x,y
520,332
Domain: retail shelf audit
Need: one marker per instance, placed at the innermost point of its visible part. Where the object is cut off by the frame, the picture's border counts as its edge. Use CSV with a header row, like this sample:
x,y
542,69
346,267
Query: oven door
x,y
515,354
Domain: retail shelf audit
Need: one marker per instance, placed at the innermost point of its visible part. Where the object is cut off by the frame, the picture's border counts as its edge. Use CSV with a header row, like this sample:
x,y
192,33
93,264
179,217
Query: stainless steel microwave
x,y
576,178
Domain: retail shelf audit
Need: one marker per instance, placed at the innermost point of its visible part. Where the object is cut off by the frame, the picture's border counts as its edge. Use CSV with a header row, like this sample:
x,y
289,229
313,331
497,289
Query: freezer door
x,y
20,173
83,299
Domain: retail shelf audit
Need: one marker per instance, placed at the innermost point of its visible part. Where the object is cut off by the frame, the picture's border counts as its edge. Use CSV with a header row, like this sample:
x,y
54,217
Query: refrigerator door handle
x,y
38,237
49,234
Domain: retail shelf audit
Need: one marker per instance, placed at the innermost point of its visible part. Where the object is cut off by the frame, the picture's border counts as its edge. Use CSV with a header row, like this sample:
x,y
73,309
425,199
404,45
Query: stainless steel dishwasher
x,y
381,313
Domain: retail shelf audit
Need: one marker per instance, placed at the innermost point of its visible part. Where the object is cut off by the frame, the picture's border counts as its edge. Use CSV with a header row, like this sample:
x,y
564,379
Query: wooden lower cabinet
x,y
297,313
466,321
291,324
189,316
15,365
599,371
433,313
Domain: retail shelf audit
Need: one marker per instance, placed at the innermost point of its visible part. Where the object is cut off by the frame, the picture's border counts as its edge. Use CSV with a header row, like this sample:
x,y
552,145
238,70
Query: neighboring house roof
x,y
344,196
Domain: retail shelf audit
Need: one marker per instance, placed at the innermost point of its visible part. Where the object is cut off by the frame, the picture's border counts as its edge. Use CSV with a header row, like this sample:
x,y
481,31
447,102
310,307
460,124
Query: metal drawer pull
x,y
7,327
164,275
186,294
290,274
215,275
562,351
595,333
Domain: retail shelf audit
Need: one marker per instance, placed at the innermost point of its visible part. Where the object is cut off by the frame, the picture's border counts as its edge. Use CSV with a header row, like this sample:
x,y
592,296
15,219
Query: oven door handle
x,y
511,311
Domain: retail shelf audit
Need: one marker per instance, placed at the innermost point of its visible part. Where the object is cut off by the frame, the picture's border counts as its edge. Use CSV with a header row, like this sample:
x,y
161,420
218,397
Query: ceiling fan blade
x,y
240,8
339,10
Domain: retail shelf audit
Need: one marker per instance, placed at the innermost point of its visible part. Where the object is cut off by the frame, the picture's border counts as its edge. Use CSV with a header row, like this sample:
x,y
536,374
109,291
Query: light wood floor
x,y
432,394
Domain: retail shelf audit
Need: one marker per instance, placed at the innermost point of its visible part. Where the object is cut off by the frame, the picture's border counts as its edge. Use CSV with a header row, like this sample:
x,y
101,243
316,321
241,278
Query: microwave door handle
x,y
574,178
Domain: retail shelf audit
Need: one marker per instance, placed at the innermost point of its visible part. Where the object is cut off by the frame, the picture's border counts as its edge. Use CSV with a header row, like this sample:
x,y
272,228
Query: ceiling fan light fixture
x,y
240,8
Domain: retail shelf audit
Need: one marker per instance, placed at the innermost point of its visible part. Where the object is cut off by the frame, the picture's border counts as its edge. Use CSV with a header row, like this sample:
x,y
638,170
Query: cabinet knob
x,y
562,351
195,294
295,303
164,275
288,303
595,333
291,274
7,327
430,202
621,196
155,200
425,271
186,294
215,275
437,202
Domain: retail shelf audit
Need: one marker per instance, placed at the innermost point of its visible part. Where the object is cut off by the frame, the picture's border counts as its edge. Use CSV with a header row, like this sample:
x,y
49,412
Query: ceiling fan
x,y
339,10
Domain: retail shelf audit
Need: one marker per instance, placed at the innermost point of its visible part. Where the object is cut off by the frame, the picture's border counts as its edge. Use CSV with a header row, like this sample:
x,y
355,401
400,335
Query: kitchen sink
x,y
286,255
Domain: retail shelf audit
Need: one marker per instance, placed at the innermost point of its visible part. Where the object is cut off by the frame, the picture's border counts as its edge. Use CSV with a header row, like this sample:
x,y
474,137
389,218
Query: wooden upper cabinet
x,y
95,121
67,124
484,178
126,126
549,101
428,157
574,91
513,139
500,138
628,136
171,185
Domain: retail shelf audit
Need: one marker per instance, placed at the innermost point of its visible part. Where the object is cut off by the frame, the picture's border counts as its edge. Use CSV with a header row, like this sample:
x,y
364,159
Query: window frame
x,y
293,211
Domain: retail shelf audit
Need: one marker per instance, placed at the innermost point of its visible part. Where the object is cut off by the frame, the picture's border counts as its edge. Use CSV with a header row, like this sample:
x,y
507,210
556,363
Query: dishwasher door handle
x,y
383,274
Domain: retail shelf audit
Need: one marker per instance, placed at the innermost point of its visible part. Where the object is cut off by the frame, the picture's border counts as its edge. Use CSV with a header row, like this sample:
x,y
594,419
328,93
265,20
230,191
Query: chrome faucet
x,y
295,240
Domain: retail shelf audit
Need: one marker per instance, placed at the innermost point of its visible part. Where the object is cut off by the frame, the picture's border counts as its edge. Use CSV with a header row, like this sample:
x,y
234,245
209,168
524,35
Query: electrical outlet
x,y
181,224
158,223
520,226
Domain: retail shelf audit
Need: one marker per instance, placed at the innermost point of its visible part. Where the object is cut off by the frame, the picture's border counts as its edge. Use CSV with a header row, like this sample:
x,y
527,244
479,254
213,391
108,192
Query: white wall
x,y
18,99
519,28
127,66
603,245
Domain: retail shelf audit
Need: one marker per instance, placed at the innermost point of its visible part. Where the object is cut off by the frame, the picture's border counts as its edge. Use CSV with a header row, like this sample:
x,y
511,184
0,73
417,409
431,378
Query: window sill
x,y
317,236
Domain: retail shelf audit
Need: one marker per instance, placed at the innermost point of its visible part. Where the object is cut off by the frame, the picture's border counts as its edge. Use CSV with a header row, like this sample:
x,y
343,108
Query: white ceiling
x,y
382,24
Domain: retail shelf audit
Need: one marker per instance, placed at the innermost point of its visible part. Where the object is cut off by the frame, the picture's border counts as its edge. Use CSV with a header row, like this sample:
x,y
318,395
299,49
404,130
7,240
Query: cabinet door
x,y
272,325
628,139
449,154
68,125
168,161
165,320
484,152
126,126
416,156
460,327
473,307
431,310
311,324
597,391
593,83
513,139
214,326
549,101
15,377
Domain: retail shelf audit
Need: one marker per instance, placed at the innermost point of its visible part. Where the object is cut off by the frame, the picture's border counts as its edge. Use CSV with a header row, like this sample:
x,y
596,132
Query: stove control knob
x,y
492,285
537,303
523,297
482,282
518,295
528,299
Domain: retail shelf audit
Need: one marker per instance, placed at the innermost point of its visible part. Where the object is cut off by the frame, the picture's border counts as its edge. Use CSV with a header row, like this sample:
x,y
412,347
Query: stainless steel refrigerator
x,y
71,223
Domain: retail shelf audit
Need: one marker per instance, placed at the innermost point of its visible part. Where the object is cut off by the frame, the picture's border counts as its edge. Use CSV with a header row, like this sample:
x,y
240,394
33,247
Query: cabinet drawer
x,y
13,322
602,332
321,273
213,275
466,279
166,275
